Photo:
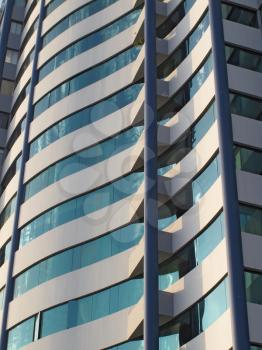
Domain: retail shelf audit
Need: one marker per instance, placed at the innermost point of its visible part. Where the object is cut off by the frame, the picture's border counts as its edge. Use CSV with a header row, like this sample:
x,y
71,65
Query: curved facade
x,y
73,187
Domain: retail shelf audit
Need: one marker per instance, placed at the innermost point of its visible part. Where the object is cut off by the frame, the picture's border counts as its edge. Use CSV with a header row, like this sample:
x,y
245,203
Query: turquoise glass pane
x,y
192,254
53,5
184,49
2,296
82,160
86,78
195,320
190,88
209,239
75,17
213,306
203,125
21,335
251,219
169,342
187,142
246,106
84,310
85,117
253,283
8,211
54,320
248,160
170,23
89,42
240,15
132,345
205,180
243,58
92,307
79,257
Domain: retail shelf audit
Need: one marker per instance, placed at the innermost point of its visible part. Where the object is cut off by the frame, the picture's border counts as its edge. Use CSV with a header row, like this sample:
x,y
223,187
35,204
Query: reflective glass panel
x,y
86,78
251,219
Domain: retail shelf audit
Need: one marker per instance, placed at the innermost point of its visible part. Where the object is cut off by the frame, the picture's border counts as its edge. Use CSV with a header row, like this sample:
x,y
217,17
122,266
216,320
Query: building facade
x,y
78,216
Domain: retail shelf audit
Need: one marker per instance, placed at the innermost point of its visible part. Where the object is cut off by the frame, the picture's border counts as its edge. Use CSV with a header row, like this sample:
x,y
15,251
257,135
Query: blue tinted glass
x,y
205,180
82,160
92,307
253,282
213,306
81,206
21,335
8,211
184,49
2,296
54,320
251,219
86,78
192,254
209,239
178,101
85,117
89,42
78,257
77,16
203,125
132,345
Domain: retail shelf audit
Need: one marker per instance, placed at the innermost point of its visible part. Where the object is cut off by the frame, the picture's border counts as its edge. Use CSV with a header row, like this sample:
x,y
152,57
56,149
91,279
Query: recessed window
x,y
7,87
11,56
16,28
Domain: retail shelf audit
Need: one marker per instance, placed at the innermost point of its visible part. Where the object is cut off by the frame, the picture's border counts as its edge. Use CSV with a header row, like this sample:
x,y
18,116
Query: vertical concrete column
x,y
150,169
20,190
237,295
6,22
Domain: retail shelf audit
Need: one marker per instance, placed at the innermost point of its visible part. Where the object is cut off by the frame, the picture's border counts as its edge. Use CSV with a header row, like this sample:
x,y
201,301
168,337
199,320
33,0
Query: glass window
x,y
240,15
11,56
192,254
246,106
75,17
54,320
5,252
205,180
251,219
195,320
173,61
187,142
244,58
248,160
253,283
7,87
172,21
53,5
91,307
89,42
178,101
189,195
2,296
86,78
81,206
85,117
21,335
79,257
8,211
16,28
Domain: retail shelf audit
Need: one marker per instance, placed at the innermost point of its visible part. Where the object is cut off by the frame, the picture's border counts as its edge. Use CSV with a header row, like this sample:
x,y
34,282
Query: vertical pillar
x,y
150,169
9,288
6,21
237,295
